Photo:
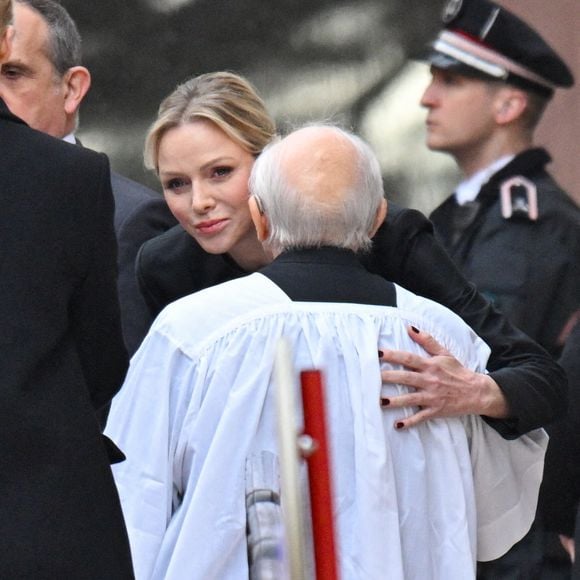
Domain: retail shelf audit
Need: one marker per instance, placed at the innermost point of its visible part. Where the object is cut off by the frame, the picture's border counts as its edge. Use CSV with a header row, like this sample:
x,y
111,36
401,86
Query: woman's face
x,y
205,175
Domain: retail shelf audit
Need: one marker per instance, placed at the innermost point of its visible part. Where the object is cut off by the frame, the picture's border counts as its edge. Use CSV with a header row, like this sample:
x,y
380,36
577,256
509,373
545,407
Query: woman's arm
x,y
532,384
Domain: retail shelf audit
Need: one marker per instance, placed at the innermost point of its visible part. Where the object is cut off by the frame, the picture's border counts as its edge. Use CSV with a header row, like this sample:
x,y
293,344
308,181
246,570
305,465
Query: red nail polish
x,y
400,425
385,402
415,329
381,353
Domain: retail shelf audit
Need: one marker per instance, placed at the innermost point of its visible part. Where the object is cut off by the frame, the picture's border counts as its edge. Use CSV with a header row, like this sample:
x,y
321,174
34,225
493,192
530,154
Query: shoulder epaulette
x,y
519,198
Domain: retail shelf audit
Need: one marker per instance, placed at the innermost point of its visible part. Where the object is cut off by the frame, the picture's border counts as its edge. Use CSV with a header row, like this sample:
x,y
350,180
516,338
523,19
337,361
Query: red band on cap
x,y
480,56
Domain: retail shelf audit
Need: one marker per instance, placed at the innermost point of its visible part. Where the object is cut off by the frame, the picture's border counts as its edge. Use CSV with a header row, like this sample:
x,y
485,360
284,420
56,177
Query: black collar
x,y
6,115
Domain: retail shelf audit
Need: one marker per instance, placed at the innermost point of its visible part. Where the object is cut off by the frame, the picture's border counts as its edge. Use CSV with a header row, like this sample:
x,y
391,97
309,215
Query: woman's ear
x,y
379,218
259,218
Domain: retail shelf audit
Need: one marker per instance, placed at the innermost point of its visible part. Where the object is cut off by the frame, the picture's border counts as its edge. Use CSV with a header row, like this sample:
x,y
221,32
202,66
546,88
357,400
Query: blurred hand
x,y
443,386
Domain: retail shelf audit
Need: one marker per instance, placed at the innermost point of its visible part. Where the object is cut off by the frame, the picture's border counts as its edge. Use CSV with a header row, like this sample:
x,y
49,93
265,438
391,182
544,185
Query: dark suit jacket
x,y
140,214
405,252
61,358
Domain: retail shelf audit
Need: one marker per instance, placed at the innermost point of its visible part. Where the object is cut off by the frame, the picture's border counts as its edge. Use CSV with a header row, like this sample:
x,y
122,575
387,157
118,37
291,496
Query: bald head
x,y
320,162
319,186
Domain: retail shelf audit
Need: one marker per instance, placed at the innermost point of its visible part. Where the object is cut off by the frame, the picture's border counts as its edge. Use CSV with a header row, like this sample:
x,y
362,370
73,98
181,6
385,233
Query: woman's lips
x,y
211,226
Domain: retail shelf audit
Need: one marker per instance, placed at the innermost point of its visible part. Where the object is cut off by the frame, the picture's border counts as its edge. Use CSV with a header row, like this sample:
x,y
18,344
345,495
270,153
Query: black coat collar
x,y
6,115
526,164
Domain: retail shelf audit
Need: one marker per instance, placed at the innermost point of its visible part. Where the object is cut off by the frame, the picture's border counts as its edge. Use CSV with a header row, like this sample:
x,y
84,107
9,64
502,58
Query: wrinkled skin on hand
x,y
443,386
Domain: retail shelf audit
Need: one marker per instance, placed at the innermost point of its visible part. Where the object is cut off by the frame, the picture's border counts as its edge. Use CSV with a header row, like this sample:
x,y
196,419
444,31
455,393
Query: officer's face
x,y
29,85
460,117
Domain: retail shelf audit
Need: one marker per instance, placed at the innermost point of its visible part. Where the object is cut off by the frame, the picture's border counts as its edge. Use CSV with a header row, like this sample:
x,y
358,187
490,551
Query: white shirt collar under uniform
x,y
469,188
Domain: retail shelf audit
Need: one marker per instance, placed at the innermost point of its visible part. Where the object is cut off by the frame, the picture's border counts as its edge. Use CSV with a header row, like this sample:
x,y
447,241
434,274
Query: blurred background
x,y
349,61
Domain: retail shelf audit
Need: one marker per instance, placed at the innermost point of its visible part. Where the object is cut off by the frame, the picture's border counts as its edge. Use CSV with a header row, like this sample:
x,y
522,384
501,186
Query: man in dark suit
x,y
44,84
61,357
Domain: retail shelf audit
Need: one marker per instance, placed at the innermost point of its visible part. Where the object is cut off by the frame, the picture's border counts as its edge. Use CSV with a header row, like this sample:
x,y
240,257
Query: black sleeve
x,y
145,218
560,491
94,308
407,253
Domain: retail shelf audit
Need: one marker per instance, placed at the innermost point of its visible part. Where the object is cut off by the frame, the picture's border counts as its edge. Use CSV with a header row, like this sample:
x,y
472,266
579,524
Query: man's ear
x,y
77,81
379,218
510,105
6,44
260,220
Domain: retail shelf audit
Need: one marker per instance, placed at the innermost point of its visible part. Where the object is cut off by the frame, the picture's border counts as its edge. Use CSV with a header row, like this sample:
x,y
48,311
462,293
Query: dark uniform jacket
x,y
405,252
61,358
530,269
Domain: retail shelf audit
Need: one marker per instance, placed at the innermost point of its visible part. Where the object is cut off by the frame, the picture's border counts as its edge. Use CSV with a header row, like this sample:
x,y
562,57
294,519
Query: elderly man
x,y
198,398
44,84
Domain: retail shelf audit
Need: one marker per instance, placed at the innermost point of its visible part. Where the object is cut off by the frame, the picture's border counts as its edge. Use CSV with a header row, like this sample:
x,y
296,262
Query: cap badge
x,y
451,10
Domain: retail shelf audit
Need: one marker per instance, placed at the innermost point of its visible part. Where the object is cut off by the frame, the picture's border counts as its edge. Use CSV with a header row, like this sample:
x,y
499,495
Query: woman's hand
x,y
443,386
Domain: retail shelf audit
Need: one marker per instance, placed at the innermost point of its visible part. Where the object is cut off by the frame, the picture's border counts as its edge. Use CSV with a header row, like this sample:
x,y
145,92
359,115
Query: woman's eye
x,y
222,171
175,184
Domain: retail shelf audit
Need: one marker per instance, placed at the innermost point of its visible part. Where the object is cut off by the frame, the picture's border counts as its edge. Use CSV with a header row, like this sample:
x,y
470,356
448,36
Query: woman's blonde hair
x,y
224,98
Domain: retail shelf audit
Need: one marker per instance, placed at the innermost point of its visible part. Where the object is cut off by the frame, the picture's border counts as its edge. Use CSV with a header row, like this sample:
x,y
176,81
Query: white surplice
x,y
198,400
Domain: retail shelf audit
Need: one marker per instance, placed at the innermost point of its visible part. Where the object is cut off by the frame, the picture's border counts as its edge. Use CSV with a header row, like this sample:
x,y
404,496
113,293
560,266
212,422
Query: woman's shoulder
x,y
403,221
173,244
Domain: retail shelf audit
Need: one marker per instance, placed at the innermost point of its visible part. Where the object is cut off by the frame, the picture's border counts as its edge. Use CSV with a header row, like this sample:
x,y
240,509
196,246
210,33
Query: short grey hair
x,y
302,221
64,48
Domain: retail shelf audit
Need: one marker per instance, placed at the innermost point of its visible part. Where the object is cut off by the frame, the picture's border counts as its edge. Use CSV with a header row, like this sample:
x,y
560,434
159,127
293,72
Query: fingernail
x,y
400,425
415,329
385,402
381,353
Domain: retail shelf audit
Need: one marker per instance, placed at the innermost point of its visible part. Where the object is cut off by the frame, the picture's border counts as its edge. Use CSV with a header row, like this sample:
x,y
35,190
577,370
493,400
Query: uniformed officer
x,y
509,226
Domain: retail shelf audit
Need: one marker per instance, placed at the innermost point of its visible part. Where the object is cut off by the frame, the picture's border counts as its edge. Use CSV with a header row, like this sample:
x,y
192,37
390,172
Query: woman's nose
x,y
202,199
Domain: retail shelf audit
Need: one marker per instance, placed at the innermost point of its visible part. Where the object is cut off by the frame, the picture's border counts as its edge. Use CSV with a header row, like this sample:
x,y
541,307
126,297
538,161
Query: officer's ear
x,y
510,105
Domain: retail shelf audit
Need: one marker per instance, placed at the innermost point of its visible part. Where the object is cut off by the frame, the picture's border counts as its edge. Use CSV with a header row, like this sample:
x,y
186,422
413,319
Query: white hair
x,y
299,219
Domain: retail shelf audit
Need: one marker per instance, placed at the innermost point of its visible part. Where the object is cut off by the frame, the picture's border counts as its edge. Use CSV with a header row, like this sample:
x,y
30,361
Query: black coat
x,y
405,252
528,268
140,214
560,493
61,358
561,484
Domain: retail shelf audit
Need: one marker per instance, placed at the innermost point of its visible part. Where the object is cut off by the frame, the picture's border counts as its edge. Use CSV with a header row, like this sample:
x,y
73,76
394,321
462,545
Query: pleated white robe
x,y
198,399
